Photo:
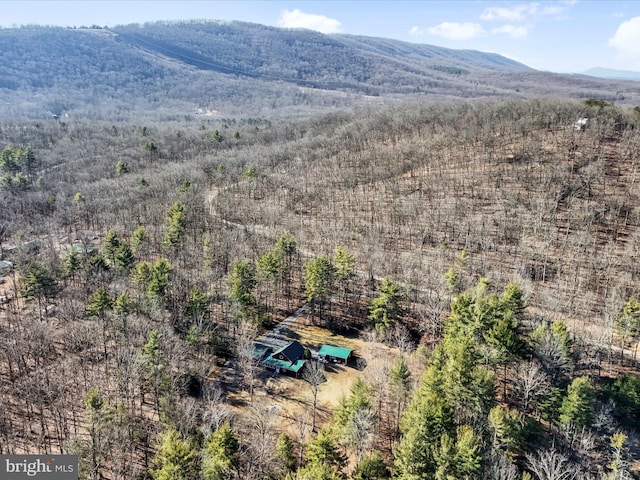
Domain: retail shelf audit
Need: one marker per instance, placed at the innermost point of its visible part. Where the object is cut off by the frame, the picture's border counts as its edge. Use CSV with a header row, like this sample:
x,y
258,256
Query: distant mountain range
x,y
611,73
172,69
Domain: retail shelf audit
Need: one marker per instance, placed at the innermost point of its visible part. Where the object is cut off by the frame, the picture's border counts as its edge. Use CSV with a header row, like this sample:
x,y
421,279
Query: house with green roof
x,y
287,359
334,354
81,248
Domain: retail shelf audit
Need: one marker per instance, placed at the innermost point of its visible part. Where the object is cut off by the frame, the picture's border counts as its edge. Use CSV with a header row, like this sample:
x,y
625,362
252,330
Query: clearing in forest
x,y
294,395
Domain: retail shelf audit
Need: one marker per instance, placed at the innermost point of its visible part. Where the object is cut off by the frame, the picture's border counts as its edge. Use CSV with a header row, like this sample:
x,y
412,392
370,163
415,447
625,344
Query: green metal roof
x,y
78,248
260,350
283,364
334,351
293,351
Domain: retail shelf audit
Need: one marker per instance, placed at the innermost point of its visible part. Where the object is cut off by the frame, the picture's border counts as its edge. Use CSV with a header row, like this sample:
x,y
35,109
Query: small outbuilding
x,y
335,354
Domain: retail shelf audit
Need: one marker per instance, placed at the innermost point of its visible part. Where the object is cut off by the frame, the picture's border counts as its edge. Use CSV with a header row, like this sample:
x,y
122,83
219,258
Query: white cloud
x,y
627,40
457,31
513,14
551,11
523,11
514,31
299,19
518,21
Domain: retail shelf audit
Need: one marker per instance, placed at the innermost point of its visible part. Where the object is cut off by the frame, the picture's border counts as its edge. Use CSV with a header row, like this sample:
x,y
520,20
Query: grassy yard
x,y
294,395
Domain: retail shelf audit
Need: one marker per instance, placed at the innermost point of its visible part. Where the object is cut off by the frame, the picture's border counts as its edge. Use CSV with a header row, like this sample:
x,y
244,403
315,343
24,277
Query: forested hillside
x,y
484,254
172,70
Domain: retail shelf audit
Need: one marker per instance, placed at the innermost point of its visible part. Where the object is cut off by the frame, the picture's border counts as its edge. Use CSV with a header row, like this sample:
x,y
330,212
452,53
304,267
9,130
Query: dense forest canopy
x,y
483,253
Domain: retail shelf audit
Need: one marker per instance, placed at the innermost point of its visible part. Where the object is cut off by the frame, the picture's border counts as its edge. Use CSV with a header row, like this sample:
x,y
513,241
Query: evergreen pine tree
x,y
175,459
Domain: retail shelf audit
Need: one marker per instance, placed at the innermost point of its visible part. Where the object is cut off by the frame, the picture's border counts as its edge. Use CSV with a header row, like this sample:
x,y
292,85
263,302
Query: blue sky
x,y
559,35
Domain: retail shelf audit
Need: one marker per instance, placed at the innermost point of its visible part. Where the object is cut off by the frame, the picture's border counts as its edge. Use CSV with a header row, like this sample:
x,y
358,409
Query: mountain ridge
x,y
611,73
239,68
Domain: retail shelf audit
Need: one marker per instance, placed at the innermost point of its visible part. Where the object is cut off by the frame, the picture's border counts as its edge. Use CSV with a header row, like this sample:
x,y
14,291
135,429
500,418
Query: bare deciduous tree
x,y
530,383
552,465
247,366
361,431
501,467
215,411
260,439
314,375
